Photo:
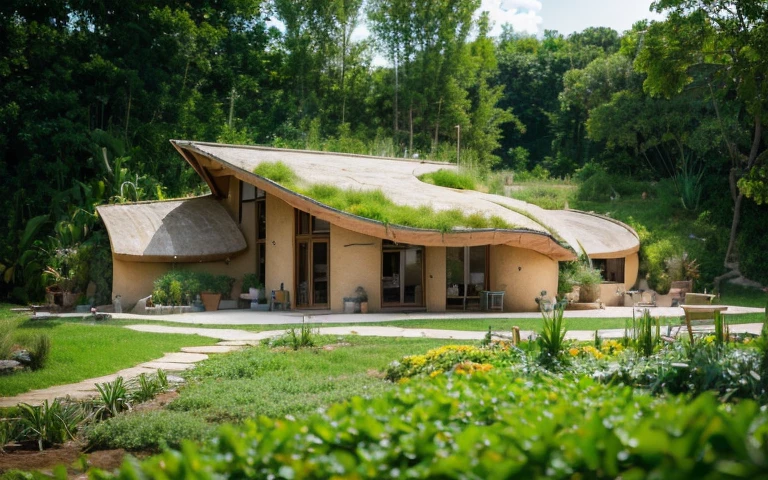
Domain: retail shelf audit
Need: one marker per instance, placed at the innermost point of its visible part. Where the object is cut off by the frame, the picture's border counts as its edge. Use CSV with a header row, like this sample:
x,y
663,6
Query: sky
x,y
566,16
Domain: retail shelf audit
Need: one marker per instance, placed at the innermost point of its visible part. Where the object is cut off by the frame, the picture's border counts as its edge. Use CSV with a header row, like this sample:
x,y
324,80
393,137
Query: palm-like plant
x,y
113,399
552,338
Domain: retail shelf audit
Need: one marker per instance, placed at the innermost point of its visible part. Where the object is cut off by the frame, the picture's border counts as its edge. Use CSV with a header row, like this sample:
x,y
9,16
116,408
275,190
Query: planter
x,y
363,307
210,301
349,306
83,309
228,305
589,293
68,299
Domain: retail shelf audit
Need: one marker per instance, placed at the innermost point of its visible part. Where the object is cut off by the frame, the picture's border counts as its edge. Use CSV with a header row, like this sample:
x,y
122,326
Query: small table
x,y
695,310
490,300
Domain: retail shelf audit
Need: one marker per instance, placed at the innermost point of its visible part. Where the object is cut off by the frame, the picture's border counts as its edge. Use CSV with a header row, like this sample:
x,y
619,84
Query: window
x,y
251,194
611,269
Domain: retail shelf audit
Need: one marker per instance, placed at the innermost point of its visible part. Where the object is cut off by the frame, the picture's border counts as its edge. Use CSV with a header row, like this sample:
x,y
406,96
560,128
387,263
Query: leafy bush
x,y
147,431
486,426
450,179
180,287
753,242
49,423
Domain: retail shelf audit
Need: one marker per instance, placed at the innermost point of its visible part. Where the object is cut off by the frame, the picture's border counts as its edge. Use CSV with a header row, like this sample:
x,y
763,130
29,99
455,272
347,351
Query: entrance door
x,y
402,275
312,262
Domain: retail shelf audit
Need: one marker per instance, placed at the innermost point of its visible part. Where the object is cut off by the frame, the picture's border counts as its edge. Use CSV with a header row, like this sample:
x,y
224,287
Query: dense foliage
x,y
488,425
90,94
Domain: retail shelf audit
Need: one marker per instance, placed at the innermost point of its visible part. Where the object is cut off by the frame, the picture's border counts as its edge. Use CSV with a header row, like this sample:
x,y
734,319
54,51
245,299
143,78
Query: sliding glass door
x,y
466,275
312,262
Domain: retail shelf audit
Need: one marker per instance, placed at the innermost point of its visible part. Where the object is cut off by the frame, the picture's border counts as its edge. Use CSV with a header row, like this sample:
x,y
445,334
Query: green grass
x,y
82,350
278,172
450,179
375,205
547,196
731,294
263,381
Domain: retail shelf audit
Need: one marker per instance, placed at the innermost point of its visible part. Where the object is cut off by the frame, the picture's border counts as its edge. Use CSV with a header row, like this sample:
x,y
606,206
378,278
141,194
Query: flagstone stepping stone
x,y
212,349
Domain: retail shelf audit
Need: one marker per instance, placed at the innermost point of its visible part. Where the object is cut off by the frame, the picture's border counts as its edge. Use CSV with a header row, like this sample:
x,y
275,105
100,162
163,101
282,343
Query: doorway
x,y
466,275
312,261
402,282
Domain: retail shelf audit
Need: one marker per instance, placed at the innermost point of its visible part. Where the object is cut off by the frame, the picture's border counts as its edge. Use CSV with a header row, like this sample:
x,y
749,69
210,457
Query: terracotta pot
x,y
210,301
363,307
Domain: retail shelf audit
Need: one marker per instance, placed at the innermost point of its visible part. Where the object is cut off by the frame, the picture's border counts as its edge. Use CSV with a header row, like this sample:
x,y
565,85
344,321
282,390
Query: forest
x,y
91,92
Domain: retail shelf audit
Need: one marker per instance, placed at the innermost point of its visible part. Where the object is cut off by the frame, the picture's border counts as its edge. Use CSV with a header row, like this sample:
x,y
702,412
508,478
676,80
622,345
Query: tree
x,y
726,40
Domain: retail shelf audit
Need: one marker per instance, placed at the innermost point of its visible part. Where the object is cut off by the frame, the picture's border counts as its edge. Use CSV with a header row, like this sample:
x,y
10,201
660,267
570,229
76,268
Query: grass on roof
x,y
450,179
375,205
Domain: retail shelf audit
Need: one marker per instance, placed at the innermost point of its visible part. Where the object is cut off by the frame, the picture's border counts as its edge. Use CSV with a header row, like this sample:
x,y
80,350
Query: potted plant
x,y
214,288
588,279
362,299
253,287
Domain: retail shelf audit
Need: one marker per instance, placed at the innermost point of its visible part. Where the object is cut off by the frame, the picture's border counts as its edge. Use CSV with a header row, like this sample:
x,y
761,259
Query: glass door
x,y
312,262
402,275
465,276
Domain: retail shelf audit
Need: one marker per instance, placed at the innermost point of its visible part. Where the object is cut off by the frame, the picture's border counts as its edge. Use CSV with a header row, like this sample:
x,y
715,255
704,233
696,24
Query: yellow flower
x,y
435,373
573,351
709,339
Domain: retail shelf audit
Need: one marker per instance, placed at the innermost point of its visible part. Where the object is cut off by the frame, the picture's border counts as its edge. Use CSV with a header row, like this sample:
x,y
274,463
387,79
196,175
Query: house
x,y
321,254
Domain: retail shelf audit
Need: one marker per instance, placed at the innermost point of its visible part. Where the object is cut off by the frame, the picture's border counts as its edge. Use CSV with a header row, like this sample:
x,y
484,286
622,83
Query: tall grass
x,y
278,172
450,179
548,197
646,333
375,205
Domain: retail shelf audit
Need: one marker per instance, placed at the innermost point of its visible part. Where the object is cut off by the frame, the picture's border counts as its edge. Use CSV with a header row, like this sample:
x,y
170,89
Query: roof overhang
x,y
188,230
211,166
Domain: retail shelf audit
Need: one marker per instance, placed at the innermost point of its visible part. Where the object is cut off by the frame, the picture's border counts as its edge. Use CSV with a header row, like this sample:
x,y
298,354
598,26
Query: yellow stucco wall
x,y
355,261
523,274
631,266
279,253
134,280
435,279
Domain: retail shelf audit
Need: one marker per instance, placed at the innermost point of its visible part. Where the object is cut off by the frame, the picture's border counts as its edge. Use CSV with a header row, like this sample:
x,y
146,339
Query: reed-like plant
x,y
722,332
50,423
645,327
113,399
552,338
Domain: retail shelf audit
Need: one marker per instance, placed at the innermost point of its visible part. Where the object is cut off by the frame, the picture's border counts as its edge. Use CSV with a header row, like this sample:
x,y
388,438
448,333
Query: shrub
x,y
450,179
491,425
146,387
147,431
182,286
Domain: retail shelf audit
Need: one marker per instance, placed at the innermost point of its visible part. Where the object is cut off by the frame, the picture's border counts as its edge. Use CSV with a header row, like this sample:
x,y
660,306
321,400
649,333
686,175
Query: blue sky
x,y
567,16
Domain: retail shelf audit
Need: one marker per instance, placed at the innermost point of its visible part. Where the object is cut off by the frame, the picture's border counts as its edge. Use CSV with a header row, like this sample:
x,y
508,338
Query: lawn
x,y
81,350
263,381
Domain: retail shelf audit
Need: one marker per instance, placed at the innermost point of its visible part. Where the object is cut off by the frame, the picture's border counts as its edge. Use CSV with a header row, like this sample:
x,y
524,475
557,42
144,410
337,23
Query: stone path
x,y
170,362
233,339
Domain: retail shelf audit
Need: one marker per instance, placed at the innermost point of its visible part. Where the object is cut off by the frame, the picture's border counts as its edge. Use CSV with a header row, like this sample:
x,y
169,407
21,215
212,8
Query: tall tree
x,y
726,40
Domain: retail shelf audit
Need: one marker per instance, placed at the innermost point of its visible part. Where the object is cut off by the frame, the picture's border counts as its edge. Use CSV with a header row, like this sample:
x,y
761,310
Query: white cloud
x,y
523,15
